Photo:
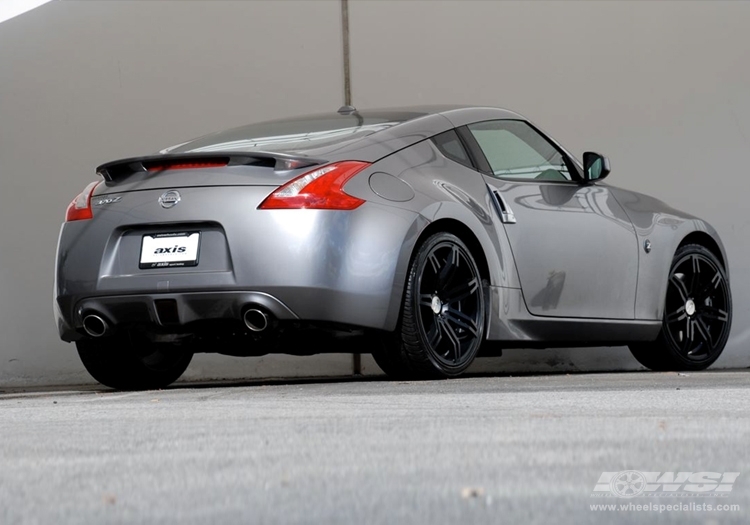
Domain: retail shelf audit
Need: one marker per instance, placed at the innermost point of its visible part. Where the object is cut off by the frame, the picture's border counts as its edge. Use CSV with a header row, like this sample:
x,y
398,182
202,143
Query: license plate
x,y
168,250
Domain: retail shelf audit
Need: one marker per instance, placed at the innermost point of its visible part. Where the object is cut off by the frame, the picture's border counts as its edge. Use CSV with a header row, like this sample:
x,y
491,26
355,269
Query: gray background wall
x,y
663,88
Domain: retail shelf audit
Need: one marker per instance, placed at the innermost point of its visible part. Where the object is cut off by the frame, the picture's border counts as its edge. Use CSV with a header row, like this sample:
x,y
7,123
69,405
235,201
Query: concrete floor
x,y
526,449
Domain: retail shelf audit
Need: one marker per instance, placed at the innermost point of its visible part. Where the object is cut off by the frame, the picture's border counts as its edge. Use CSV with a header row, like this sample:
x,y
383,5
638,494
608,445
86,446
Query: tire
x,y
697,314
390,362
124,364
442,316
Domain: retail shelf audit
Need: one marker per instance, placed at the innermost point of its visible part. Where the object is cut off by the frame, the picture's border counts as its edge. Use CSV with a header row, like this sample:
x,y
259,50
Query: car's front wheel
x,y
124,364
697,314
443,313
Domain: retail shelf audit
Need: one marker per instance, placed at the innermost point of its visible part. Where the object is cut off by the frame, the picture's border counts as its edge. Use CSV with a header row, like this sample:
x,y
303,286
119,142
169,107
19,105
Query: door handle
x,y
506,214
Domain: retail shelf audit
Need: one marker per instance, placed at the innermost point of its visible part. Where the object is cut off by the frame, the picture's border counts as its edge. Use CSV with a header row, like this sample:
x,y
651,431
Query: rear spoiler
x,y
120,169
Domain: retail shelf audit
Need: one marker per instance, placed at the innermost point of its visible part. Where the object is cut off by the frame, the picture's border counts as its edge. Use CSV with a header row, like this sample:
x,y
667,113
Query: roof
x,y
360,135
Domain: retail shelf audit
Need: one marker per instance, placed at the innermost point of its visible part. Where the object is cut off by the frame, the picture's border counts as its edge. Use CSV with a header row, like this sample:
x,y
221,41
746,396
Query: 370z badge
x,y
168,250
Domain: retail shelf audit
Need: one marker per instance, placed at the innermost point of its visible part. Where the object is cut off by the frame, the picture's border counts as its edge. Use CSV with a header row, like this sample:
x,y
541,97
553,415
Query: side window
x,y
515,150
450,145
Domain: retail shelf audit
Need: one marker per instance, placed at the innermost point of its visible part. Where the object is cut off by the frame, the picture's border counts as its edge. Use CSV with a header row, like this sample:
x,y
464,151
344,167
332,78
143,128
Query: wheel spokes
x,y
435,335
449,269
677,315
704,331
714,314
680,286
706,290
425,299
461,292
695,278
687,337
461,320
453,338
434,263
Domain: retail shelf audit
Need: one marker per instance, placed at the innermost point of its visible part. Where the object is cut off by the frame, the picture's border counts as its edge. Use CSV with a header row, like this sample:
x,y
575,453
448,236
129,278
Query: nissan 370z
x,y
424,236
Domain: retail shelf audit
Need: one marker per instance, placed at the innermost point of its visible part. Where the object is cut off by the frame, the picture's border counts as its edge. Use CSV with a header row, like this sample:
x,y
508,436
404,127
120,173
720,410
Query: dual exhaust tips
x,y
256,320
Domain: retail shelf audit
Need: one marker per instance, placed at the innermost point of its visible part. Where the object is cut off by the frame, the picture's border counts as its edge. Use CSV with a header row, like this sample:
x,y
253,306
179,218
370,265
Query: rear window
x,y
287,135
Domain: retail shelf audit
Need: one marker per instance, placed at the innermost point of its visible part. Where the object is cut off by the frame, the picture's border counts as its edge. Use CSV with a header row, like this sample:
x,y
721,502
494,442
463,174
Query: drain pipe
x,y
356,358
345,35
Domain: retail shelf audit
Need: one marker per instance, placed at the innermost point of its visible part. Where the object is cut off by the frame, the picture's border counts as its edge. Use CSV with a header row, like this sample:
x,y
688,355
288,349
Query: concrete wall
x,y
661,87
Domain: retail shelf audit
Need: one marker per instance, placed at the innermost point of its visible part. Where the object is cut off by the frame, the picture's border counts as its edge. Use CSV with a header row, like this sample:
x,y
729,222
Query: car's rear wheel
x,y
697,314
443,313
126,364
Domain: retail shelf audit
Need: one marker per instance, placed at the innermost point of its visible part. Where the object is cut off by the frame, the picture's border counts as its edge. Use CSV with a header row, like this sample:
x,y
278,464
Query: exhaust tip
x,y
94,325
256,320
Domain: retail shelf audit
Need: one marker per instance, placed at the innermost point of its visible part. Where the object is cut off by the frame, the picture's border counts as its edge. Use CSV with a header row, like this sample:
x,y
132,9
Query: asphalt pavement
x,y
501,449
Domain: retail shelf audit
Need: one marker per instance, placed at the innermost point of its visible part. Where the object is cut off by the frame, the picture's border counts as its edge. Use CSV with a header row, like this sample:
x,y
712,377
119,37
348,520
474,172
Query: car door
x,y
575,249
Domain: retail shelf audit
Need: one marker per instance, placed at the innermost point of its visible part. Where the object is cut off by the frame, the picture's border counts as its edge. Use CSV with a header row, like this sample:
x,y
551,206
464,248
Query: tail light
x,y
320,189
80,208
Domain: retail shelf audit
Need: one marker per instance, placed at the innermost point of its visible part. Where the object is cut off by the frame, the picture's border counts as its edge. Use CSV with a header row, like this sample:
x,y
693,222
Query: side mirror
x,y
595,166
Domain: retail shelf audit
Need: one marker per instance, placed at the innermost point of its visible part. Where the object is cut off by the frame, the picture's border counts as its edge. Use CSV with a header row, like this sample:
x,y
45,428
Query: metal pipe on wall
x,y
356,358
345,43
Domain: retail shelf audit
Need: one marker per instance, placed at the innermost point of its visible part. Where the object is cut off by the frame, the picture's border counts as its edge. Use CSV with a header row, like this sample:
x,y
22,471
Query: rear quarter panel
x,y
443,190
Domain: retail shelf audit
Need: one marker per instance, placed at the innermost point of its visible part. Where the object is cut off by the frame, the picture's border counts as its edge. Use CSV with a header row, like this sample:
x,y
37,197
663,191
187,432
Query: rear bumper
x,y
180,309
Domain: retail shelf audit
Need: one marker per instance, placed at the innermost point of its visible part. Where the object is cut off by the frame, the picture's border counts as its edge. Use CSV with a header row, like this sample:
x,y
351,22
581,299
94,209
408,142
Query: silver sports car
x,y
425,236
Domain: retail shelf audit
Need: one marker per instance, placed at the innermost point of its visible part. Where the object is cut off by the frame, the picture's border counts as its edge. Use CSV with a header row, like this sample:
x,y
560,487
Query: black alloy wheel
x,y
443,315
697,314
